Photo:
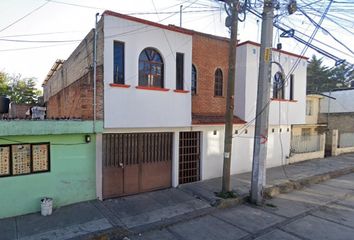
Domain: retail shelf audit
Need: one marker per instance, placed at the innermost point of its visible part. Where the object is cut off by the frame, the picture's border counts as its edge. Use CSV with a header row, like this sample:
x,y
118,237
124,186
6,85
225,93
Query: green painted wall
x,y
71,179
39,127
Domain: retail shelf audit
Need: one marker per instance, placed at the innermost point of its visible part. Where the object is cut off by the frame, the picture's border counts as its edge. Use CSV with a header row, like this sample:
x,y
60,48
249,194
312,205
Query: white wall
x,y
131,107
291,112
242,152
343,102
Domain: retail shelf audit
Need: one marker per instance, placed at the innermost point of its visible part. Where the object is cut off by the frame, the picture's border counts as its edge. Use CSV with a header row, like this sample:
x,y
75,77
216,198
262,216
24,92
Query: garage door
x,y
136,162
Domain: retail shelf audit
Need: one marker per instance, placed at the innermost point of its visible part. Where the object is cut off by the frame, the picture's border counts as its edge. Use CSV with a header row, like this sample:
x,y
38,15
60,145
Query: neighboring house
x,y
308,140
161,92
337,111
312,125
38,159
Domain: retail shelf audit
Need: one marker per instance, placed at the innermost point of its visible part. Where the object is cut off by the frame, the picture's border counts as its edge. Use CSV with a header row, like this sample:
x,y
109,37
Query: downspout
x,y
94,75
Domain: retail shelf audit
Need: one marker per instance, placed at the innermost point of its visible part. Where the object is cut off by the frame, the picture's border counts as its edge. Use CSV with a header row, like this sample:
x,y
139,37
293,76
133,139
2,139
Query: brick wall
x,y
76,100
344,122
209,53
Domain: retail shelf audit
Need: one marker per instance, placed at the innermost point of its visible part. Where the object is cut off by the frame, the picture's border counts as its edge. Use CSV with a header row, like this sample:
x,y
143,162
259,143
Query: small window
x,y
291,83
194,80
309,107
151,68
21,159
218,87
118,60
278,86
179,71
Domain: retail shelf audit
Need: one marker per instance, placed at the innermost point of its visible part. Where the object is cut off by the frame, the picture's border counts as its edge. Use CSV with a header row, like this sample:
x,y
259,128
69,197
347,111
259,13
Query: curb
x,y
286,187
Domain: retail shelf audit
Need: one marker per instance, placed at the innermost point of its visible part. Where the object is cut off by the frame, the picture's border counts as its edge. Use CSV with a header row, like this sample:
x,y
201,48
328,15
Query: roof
x,y
274,49
57,65
143,21
213,119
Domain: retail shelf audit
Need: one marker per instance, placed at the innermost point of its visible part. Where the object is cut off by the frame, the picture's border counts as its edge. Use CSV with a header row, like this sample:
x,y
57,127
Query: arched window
x,y
194,80
278,86
218,86
150,68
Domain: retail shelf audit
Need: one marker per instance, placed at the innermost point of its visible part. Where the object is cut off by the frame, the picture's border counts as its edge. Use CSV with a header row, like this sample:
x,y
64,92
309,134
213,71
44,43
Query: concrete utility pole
x,y
262,110
231,22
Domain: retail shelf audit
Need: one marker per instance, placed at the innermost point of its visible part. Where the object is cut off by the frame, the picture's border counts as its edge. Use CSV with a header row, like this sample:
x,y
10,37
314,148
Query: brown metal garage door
x,y
136,162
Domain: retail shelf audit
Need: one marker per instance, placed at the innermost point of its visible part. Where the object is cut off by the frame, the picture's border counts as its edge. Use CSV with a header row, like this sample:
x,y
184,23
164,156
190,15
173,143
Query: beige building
x,y
311,126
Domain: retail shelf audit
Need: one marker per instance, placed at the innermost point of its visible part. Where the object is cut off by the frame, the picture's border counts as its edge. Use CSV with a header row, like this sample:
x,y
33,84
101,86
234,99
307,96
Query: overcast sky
x,y
60,20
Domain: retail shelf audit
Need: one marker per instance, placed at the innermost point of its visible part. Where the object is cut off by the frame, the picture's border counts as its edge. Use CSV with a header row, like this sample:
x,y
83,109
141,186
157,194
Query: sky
x,y
51,29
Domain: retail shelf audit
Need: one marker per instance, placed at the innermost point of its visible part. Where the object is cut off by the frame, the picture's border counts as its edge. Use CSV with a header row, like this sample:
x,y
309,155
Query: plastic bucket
x,y
46,206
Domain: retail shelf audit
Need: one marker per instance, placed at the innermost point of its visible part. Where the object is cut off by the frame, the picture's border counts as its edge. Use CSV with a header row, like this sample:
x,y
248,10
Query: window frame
x,y
278,92
151,64
122,44
194,80
309,107
179,71
11,172
218,83
291,86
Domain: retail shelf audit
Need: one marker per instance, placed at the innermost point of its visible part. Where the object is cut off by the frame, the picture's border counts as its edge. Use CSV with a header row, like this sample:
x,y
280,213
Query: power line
x,y
18,20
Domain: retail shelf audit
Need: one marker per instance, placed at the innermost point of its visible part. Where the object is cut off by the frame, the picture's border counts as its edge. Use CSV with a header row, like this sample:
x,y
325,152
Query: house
x,y
308,140
38,159
161,93
337,111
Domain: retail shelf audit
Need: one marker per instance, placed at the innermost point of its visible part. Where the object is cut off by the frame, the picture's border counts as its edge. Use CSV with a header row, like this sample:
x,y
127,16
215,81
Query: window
x,y
278,86
291,95
118,62
194,80
309,107
179,71
218,87
21,159
150,68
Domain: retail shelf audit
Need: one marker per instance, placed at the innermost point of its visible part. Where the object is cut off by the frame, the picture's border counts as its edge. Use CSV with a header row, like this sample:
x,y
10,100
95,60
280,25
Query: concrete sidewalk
x,y
139,213
281,179
120,215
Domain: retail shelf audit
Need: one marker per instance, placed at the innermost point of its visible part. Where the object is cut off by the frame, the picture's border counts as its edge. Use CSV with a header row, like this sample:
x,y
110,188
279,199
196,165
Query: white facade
x,y
139,108
278,147
282,112
342,104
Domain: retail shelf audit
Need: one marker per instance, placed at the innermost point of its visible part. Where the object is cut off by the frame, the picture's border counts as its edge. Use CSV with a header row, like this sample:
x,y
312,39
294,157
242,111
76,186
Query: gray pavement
x,y
241,183
322,211
186,213
84,218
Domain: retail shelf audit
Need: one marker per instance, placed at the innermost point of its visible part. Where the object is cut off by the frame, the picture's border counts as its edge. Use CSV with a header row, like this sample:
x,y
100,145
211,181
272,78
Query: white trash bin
x,y
46,206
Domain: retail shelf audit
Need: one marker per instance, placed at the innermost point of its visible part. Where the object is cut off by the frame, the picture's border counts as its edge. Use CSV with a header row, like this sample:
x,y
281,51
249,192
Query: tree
x,y
342,74
318,76
19,90
4,84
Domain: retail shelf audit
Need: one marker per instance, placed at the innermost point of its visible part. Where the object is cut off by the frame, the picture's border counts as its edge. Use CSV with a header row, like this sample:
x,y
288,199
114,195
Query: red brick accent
x,y
76,100
208,55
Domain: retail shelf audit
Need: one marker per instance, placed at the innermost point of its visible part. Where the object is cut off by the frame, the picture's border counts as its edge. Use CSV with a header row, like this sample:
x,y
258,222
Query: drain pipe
x,y
94,75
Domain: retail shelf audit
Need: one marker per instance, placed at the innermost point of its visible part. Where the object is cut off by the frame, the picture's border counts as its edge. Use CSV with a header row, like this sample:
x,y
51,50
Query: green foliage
x,y
4,84
323,79
19,90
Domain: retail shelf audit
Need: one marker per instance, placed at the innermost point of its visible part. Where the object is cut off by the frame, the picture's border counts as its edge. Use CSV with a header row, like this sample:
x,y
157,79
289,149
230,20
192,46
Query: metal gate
x,y
189,157
136,162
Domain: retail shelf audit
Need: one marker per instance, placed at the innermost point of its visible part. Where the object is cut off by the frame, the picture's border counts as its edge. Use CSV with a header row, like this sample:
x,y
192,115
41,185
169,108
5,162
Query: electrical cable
x,y
21,18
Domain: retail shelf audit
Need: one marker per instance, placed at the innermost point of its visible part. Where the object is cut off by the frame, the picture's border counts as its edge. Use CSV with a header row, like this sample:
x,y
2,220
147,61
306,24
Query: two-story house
x,y
161,92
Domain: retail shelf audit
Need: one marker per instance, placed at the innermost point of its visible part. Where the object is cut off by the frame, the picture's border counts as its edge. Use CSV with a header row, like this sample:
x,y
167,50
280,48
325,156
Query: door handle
x,y
121,165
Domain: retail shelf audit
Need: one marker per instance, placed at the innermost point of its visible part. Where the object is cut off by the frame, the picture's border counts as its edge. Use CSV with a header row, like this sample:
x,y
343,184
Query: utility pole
x,y
262,110
231,22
